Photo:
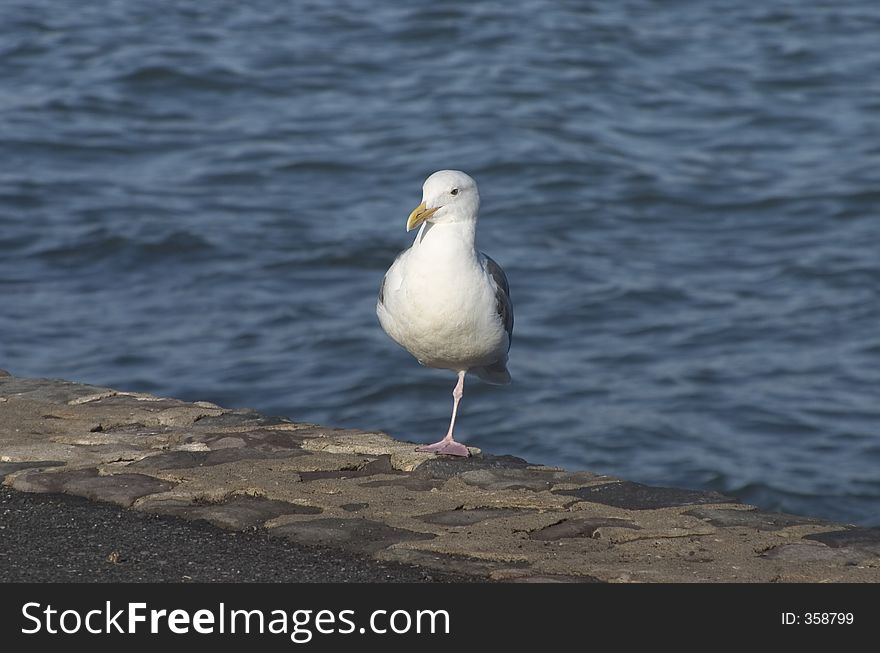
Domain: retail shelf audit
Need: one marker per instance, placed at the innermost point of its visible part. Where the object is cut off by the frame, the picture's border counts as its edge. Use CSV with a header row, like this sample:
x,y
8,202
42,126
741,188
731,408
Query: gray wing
x,y
382,290
502,296
381,300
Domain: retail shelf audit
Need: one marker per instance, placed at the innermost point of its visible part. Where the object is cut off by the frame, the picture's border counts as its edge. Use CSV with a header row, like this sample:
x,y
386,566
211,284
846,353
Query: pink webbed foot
x,y
446,447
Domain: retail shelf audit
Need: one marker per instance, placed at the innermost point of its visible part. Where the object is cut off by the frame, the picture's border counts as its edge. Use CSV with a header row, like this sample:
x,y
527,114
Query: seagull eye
x,y
454,191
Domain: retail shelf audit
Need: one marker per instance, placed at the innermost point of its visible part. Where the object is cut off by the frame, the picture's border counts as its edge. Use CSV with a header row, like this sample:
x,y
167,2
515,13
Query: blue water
x,y
199,199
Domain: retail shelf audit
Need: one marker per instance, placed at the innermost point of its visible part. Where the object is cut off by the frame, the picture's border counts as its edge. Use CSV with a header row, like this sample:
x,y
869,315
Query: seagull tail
x,y
496,374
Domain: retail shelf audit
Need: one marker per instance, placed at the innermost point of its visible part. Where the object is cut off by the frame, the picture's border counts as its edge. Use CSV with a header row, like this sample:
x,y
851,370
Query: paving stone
x,y
866,540
447,466
757,519
237,513
381,465
122,489
580,527
411,482
811,552
263,439
468,517
635,496
403,455
360,535
189,459
110,399
50,391
238,418
9,468
508,479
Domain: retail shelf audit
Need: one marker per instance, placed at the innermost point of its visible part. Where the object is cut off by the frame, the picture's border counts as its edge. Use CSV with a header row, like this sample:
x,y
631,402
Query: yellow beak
x,y
418,216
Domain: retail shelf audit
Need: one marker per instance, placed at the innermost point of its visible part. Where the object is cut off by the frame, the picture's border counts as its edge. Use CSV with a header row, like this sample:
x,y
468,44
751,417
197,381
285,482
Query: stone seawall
x,y
493,517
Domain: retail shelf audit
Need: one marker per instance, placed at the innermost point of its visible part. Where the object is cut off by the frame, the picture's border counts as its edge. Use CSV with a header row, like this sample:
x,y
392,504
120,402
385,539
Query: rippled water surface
x,y
199,199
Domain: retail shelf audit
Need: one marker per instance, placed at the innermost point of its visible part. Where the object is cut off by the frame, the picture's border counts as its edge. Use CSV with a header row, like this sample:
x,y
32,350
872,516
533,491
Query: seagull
x,y
444,301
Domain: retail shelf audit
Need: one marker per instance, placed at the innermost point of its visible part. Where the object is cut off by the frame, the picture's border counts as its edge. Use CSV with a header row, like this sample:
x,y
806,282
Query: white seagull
x,y
444,301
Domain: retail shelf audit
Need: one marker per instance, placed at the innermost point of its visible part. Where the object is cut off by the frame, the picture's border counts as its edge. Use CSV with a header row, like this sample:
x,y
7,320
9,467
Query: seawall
x,y
493,517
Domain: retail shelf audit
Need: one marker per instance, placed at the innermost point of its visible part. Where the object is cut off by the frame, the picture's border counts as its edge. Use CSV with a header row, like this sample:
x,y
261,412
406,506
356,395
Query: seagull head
x,y
447,196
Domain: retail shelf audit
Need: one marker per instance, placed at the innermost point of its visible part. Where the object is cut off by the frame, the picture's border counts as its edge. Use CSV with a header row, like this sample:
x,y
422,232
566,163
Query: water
x,y
200,199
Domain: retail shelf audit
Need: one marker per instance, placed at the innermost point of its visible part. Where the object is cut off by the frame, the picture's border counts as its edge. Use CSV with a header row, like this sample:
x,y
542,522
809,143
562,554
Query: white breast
x,y
439,304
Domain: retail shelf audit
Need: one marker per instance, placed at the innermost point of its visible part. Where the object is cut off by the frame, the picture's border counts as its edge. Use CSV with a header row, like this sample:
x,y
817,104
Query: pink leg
x,y
448,445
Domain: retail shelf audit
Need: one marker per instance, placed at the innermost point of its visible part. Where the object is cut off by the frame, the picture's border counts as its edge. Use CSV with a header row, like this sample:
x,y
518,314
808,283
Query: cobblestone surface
x,y
492,517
